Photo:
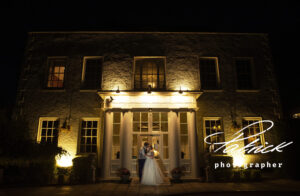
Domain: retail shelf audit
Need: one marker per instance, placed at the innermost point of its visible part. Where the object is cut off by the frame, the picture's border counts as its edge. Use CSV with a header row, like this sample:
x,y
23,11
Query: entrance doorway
x,y
153,140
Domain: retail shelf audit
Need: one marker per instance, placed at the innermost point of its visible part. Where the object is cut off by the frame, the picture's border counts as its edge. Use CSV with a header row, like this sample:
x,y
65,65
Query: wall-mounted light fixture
x,y
118,90
149,89
180,91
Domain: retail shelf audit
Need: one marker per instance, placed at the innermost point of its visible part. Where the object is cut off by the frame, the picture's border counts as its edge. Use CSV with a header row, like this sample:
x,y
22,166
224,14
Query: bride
x,y
152,175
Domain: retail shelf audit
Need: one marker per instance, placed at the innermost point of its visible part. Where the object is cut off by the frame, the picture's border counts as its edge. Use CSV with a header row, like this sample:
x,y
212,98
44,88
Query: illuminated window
x,y
184,137
253,130
296,115
88,136
56,72
149,71
91,73
209,73
48,130
213,125
116,135
244,72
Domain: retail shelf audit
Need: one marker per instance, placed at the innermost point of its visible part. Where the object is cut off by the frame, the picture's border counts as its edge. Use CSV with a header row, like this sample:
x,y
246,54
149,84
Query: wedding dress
x,y
152,174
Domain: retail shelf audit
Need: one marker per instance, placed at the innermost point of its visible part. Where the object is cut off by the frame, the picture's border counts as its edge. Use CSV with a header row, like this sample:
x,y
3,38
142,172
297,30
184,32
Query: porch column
x,y
107,144
126,140
173,140
191,119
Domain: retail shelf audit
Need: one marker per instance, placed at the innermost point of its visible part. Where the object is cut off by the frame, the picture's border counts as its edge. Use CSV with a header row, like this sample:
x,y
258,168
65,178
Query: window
x,y
149,71
213,125
253,130
56,72
116,135
184,138
48,130
91,73
244,72
88,136
209,73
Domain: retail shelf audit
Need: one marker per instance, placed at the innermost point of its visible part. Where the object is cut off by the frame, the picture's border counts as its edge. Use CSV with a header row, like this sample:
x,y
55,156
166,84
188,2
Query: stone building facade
x,y
106,93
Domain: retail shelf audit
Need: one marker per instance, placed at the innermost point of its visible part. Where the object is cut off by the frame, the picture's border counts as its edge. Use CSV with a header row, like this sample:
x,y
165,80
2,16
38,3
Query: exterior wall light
x,y
149,89
180,91
118,90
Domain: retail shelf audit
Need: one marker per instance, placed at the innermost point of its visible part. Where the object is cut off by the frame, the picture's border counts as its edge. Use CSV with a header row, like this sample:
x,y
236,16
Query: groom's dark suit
x,y
142,159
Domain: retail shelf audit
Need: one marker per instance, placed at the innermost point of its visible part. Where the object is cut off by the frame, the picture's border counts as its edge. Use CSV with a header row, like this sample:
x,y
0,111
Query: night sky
x,y
279,20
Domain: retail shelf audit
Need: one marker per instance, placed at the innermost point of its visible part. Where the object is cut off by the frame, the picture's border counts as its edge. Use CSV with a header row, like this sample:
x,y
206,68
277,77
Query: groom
x,y
142,159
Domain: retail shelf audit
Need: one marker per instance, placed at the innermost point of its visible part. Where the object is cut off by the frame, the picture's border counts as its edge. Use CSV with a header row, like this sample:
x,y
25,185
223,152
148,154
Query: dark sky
x,y
280,20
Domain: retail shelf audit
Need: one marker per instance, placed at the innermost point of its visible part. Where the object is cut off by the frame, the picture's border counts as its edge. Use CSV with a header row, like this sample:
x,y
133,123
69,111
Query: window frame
x,y
262,136
204,133
84,60
149,57
218,78
48,61
253,75
79,134
187,134
41,119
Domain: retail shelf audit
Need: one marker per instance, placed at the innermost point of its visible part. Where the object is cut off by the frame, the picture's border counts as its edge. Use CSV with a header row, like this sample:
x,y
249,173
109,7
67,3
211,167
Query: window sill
x,y
248,91
213,90
88,90
53,90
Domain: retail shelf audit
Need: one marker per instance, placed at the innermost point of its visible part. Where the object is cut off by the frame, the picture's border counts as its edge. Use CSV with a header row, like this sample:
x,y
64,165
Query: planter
x,y
176,177
125,179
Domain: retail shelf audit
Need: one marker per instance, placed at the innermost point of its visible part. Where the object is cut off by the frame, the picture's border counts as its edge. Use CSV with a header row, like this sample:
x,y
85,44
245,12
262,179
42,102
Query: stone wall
x,y
182,52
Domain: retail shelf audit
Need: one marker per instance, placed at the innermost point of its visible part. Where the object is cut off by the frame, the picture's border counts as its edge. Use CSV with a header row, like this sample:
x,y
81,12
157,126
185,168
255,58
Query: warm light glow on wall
x,y
153,100
238,159
64,160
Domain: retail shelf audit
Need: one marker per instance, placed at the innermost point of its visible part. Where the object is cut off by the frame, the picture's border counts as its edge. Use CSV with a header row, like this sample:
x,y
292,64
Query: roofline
x,y
142,32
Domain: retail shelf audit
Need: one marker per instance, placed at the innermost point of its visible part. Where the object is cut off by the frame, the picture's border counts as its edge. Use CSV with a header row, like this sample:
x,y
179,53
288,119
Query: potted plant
x,y
177,173
124,174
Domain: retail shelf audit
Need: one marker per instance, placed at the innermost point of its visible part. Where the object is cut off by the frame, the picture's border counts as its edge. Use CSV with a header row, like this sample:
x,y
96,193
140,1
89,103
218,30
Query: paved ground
x,y
274,187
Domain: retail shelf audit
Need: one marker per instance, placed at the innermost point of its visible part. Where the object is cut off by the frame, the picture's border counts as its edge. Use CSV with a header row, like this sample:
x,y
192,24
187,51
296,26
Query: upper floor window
x,y
244,73
91,73
149,71
209,73
56,74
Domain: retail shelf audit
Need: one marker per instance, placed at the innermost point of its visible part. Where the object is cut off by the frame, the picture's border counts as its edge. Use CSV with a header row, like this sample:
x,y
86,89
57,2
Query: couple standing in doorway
x,y
149,170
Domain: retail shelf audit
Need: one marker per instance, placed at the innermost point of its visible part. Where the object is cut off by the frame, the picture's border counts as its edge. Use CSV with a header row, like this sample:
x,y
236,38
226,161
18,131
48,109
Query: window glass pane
x,y
166,153
208,73
164,127
184,147
183,117
92,71
144,117
117,117
136,116
116,129
136,127
165,140
183,129
164,116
